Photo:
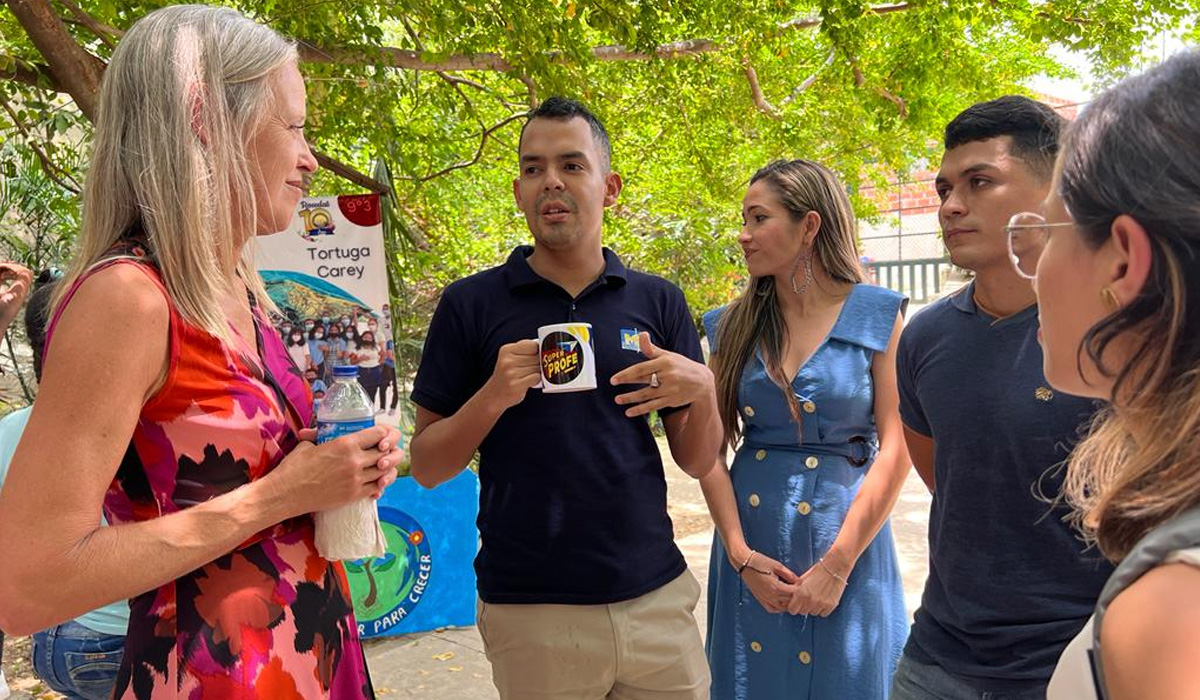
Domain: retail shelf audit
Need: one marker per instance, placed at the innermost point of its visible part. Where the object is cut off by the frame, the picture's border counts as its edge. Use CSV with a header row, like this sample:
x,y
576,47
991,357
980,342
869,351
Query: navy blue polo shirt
x,y
573,499
1010,584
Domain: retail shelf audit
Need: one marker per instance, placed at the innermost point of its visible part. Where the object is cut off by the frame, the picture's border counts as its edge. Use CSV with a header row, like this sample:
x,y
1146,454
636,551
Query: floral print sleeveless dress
x,y
271,619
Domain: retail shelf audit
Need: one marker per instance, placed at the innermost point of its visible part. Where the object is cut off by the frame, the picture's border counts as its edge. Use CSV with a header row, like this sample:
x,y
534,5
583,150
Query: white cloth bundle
x,y
351,531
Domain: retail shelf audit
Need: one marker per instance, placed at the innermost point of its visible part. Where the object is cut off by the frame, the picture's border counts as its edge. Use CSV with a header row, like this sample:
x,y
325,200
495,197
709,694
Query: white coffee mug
x,y
567,357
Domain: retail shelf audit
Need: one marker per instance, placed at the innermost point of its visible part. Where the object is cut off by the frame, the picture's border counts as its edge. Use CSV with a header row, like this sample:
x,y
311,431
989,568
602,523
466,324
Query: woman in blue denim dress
x,y
805,597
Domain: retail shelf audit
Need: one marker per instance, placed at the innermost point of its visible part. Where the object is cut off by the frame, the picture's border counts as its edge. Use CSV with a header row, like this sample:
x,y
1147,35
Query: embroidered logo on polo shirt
x,y
1043,394
629,339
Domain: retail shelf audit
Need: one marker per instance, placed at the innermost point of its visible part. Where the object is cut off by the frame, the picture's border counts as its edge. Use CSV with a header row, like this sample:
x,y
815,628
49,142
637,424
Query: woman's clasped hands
x,y
778,589
314,478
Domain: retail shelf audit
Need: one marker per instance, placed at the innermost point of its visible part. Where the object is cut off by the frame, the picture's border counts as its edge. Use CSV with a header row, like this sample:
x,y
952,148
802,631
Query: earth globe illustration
x,y
380,585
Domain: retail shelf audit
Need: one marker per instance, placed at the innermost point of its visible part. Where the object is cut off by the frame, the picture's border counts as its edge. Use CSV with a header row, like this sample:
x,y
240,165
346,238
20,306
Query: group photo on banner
x,y
328,276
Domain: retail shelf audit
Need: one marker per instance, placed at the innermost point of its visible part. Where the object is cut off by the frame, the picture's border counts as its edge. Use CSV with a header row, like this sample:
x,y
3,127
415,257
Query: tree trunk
x,y
373,591
76,70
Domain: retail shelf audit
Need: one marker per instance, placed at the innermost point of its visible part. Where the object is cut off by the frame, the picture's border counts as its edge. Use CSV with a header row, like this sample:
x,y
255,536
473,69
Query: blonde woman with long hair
x,y
804,596
1115,258
190,428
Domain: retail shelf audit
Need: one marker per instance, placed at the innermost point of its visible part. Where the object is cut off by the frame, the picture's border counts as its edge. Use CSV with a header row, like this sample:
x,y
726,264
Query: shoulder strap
x,y
869,316
126,251
1180,532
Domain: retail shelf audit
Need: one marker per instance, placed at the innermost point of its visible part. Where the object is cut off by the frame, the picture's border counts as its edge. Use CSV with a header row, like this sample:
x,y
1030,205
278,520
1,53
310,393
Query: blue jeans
x,y
78,662
917,681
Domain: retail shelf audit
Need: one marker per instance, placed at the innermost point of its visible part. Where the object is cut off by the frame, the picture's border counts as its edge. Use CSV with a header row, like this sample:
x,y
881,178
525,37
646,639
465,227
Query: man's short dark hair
x,y
1033,126
565,109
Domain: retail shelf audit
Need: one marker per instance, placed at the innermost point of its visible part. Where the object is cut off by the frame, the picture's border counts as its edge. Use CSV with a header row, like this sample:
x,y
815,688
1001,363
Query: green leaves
x,y
860,87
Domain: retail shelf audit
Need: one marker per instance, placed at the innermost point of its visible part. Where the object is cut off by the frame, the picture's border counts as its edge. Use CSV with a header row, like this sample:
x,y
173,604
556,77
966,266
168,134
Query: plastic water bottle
x,y
346,408
351,531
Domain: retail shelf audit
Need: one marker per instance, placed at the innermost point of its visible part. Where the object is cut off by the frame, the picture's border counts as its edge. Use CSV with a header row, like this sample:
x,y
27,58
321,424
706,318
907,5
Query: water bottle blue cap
x,y
345,371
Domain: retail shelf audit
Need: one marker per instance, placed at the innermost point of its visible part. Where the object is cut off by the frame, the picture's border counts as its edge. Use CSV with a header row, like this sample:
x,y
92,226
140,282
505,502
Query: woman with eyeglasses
x,y
189,425
1115,256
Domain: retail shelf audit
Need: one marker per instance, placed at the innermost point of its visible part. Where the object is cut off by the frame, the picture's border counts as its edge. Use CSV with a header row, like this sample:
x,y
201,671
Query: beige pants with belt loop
x,y
647,648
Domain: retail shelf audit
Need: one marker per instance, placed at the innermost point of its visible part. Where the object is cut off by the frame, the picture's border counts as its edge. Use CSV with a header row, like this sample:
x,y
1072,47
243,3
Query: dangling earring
x,y
808,273
1110,299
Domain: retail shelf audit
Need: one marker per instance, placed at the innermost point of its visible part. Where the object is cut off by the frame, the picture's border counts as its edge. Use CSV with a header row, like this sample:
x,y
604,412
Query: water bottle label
x,y
332,430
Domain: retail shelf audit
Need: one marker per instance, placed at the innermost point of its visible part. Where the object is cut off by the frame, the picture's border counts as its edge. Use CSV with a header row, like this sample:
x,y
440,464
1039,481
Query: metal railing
x,y
919,279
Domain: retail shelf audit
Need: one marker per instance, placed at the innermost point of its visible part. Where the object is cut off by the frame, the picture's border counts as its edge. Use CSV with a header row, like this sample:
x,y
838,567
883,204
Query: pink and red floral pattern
x,y
271,619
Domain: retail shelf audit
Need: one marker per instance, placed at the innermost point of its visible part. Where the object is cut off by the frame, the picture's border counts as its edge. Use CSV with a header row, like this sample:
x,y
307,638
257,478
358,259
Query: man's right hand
x,y
518,369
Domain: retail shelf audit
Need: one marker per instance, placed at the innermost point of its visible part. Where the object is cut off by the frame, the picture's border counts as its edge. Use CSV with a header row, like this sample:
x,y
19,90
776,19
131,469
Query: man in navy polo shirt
x,y
583,591
1009,582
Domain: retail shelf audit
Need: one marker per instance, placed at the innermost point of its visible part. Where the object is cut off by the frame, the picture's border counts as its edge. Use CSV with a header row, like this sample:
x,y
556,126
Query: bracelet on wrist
x,y
746,563
836,577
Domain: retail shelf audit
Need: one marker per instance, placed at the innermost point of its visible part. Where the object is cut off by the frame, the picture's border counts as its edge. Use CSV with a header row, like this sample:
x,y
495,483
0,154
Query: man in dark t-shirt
x,y
1010,584
583,592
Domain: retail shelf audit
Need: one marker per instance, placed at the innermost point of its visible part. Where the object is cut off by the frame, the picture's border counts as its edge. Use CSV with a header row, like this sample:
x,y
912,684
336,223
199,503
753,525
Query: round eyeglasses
x,y
1027,236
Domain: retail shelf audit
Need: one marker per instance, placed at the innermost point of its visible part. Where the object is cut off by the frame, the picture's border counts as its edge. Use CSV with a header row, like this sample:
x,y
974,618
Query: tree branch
x,y
102,31
399,58
28,73
348,173
412,60
75,69
756,91
408,59
677,49
532,88
901,105
455,80
860,81
808,82
452,80
810,22
47,165
478,152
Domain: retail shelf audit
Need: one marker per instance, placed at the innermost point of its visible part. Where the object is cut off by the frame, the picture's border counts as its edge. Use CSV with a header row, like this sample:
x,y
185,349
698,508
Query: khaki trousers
x,y
647,648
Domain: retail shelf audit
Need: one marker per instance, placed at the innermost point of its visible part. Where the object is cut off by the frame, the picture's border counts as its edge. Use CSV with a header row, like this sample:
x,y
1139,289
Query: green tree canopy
x,y
696,96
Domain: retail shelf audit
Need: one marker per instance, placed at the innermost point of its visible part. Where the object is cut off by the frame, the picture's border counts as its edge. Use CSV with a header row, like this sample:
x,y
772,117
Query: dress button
x,y
755,647
810,407
754,500
760,455
812,462
805,658
749,411
804,508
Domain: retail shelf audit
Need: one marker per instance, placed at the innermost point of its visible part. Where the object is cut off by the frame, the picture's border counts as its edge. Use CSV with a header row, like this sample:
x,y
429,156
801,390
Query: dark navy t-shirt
x,y
1010,584
573,499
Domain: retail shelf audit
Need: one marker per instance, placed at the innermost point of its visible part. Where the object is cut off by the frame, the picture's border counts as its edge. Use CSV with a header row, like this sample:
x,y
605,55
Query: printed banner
x,y
328,276
426,580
